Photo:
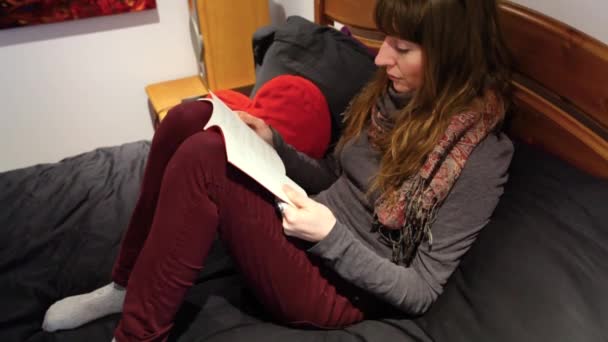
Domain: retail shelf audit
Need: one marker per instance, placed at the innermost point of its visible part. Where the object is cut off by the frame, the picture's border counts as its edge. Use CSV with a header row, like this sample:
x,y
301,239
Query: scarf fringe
x,y
416,229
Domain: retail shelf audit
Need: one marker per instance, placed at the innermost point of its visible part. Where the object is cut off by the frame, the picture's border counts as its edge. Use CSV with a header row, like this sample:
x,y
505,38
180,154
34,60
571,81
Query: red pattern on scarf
x,y
444,164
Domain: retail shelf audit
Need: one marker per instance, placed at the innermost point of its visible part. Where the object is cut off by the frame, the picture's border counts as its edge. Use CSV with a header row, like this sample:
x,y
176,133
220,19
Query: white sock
x,y
72,312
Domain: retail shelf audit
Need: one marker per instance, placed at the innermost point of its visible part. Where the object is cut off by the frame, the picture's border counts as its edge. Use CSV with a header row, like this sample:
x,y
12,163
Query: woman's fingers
x,y
257,125
249,119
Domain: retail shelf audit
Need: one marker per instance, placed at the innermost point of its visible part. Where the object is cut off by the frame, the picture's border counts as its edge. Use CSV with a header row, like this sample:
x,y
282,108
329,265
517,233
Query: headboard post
x,y
320,17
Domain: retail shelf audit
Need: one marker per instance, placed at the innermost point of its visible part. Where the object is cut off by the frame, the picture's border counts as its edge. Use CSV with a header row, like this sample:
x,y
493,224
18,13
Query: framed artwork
x,y
17,13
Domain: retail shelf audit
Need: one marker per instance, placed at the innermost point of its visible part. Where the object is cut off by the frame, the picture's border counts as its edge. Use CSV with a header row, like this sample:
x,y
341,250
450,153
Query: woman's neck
x,y
398,99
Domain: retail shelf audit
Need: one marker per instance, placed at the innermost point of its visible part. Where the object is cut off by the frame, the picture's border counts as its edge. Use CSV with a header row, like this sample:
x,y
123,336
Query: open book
x,y
248,152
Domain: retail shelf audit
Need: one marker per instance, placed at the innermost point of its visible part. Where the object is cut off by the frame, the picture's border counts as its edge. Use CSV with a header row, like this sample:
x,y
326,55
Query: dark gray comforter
x,y
538,271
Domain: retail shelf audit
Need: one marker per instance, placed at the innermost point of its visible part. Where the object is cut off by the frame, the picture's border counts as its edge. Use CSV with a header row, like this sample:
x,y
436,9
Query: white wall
x,y
281,9
588,16
69,87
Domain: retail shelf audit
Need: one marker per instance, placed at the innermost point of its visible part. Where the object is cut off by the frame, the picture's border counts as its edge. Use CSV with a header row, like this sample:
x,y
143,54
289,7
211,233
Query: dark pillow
x,y
539,270
333,61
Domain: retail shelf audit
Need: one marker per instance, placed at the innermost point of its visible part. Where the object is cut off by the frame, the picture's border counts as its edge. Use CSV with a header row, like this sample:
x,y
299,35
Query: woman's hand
x,y
308,220
258,126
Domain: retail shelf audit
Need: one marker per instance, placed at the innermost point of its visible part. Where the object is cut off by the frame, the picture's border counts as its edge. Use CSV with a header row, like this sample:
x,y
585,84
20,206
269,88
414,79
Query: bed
x,y
537,272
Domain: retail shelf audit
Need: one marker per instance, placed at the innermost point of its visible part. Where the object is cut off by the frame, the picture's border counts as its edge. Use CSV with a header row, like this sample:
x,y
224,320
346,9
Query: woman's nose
x,y
385,56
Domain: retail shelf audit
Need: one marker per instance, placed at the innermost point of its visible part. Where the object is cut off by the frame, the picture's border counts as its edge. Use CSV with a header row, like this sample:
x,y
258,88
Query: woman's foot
x,y
74,311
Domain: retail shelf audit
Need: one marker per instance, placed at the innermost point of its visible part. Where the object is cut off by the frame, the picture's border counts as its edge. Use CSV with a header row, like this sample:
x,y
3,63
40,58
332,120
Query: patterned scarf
x,y
404,217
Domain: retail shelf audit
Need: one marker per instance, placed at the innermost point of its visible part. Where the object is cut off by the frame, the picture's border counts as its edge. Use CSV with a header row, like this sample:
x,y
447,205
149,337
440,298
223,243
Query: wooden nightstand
x,y
164,95
221,32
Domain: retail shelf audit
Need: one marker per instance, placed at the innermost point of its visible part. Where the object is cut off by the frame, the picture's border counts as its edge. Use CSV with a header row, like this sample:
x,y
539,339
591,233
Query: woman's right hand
x,y
258,126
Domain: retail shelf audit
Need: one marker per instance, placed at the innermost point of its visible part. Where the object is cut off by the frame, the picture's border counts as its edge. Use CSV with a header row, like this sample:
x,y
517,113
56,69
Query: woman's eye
x,y
402,50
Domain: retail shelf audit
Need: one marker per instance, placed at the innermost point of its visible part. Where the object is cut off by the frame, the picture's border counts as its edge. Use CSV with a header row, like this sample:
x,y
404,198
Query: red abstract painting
x,y
15,13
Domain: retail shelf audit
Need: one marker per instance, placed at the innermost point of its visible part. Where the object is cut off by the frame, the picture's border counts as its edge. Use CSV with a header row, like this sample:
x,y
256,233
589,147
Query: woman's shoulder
x,y
490,159
481,182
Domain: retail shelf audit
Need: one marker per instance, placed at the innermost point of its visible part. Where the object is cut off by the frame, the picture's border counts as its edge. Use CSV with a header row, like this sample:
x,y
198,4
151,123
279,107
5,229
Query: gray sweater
x,y
359,256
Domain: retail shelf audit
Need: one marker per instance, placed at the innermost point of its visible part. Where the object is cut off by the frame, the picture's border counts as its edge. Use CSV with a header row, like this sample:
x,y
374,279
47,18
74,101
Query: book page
x,y
248,152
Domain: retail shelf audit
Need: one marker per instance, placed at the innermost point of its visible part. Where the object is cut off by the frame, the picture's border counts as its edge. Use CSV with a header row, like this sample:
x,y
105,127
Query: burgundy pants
x,y
190,193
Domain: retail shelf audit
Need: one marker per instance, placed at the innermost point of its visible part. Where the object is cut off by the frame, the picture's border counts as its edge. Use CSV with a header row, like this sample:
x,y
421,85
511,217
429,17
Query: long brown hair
x,y
463,55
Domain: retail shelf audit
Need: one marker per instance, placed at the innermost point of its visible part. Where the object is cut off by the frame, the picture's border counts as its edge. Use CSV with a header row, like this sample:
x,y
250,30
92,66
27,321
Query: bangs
x,y
401,18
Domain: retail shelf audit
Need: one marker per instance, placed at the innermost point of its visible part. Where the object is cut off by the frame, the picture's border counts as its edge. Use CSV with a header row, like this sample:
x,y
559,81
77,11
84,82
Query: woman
x,y
416,175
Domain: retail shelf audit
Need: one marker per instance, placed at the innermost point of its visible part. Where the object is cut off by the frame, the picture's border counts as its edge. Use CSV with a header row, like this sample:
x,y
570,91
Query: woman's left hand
x,y
261,128
308,220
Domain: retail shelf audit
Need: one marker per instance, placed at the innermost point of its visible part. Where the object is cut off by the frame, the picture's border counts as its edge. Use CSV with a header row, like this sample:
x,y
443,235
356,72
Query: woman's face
x,y
403,62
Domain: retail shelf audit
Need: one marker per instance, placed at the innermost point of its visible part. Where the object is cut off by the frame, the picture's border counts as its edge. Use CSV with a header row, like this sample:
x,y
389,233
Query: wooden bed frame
x,y
560,79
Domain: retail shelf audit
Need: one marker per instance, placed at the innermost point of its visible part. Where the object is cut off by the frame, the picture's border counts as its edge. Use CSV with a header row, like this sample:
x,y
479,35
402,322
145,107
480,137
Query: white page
x,y
248,152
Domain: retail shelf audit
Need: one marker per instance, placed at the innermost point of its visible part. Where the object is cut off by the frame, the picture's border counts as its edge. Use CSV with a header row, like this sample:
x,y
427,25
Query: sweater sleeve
x,y
314,175
413,289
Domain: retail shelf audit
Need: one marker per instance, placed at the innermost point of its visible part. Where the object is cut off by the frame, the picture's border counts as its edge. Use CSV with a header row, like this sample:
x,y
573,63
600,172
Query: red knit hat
x,y
292,105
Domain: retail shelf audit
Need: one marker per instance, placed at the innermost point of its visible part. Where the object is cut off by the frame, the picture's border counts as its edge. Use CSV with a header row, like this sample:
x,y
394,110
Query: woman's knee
x,y
202,148
184,120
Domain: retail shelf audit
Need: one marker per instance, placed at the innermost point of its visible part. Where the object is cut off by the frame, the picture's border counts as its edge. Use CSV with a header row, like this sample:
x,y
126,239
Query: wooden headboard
x,y
560,79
